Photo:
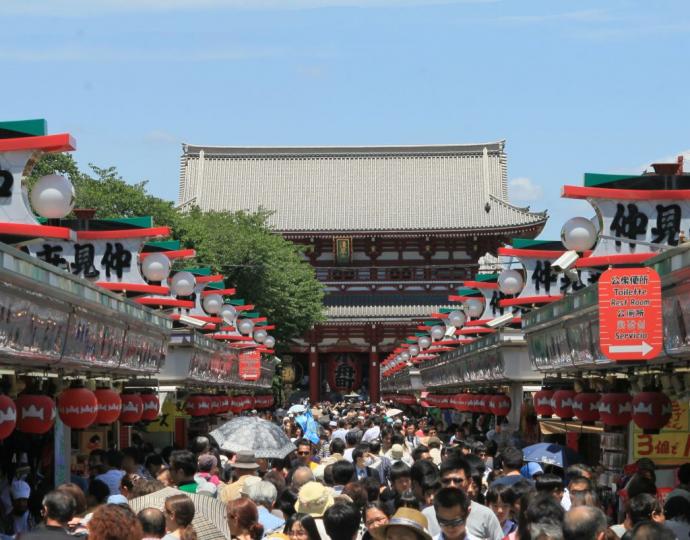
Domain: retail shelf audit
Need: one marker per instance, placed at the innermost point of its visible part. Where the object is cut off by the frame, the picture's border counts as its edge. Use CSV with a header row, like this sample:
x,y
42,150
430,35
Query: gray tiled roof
x,y
373,299
350,189
380,312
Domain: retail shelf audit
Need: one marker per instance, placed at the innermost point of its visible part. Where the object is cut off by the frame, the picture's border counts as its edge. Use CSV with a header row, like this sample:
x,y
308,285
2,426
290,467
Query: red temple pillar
x,y
374,379
314,382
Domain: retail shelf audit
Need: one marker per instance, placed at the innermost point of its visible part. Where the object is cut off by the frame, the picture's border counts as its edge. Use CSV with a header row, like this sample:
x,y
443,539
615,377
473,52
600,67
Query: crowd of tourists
x,y
360,473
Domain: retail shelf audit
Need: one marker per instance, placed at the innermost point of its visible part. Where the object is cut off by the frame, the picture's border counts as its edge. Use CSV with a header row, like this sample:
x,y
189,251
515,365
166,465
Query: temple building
x,y
393,230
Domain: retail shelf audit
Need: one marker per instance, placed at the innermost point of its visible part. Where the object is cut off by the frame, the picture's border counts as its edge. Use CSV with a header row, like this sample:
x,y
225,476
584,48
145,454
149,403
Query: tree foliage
x,y
266,269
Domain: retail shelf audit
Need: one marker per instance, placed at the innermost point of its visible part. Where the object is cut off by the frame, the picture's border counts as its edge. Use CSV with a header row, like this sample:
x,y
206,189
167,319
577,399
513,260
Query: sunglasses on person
x,y
450,522
450,480
304,453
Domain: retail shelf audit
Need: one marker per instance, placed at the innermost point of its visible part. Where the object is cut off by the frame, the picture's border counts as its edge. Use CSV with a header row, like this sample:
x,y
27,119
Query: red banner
x,y
250,365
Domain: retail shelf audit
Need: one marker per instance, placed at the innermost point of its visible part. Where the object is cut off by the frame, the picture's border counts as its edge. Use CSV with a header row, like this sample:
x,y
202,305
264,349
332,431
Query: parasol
x,y
250,433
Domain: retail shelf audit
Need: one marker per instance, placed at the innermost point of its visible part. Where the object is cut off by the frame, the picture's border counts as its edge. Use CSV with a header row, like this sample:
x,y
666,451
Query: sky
x,y
572,86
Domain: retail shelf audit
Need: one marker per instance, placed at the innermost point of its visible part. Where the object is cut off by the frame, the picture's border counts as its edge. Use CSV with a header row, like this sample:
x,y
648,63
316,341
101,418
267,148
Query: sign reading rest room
x,y
630,314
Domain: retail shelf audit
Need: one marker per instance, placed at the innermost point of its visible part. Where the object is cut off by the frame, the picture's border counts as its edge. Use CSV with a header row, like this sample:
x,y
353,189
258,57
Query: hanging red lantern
x,y
132,408
586,406
216,405
500,405
35,413
8,417
465,402
151,406
615,409
542,402
562,404
651,410
109,406
224,404
198,405
77,407
249,403
236,404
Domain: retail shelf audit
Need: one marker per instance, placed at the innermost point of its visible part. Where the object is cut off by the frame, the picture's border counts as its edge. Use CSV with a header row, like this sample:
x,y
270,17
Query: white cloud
x,y
87,8
524,189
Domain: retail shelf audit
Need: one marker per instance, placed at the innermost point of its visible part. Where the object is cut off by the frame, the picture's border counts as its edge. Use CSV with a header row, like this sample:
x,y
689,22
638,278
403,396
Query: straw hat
x,y
397,451
314,499
409,518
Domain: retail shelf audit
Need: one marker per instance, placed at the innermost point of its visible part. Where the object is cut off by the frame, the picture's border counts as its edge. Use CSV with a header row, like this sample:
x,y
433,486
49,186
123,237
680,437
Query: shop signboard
x,y
630,314
250,365
671,446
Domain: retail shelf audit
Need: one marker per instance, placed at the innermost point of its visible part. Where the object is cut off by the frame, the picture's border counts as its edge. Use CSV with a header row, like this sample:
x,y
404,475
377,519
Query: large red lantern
x,y
8,417
151,406
132,408
224,404
615,409
109,406
77,407
198,405
562,403
586,406
35,414
500,405
542,402
651,410
483,404
248,403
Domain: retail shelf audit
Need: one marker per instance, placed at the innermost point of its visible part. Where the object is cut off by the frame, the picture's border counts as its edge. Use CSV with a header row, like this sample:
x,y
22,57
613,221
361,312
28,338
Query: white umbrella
x,y
297,409
393,412
250,433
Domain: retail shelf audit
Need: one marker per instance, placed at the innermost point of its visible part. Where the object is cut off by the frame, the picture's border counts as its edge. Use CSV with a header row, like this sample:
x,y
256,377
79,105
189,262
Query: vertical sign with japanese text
x,y
630,314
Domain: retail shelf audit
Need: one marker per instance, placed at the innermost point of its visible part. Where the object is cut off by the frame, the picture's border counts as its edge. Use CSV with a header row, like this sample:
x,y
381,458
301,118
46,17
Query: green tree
x,y
106,191
266,269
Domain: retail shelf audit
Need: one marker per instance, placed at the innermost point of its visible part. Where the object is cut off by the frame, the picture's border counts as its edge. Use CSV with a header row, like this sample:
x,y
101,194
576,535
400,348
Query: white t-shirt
x,y
481,522
371,434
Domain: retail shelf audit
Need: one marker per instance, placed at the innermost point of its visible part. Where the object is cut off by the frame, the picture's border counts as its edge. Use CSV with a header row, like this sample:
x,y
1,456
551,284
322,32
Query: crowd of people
x,y
361,474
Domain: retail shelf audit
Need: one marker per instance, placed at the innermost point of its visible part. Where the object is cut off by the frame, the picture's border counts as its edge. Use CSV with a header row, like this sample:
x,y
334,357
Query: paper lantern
x,y
586,406
483,404
216,405
109,406
52,197
8,417
132,408
510,282
562,403
198,405
224,404
615,409
651,410
150,407
155,267
500,405
579,234
35,413
77,407
542,402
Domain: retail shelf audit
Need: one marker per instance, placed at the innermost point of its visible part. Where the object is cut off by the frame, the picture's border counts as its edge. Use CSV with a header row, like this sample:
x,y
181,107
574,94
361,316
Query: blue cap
x,y
117,499
530,469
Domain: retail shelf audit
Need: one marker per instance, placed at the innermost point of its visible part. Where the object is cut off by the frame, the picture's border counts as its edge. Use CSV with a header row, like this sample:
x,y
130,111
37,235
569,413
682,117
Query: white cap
x,y
20,489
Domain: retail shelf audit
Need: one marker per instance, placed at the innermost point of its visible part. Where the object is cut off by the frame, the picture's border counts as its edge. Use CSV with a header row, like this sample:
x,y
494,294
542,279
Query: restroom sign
x,y
630,314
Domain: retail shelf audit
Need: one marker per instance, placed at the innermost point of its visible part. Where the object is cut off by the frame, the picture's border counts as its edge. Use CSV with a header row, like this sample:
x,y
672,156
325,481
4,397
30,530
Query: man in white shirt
x,y
452,508
481,521
373,430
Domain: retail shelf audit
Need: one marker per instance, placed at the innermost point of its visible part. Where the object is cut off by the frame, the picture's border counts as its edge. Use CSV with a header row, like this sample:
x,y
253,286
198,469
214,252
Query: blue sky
x,y
573,86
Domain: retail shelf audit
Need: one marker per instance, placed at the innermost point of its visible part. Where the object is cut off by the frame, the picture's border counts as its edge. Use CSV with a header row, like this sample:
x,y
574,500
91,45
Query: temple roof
x,y
358,189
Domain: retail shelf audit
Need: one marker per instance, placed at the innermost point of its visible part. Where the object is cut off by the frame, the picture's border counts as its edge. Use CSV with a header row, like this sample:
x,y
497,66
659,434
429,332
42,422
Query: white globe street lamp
x,y
510,282
53,196
579,234
183,283
155,267
212,303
